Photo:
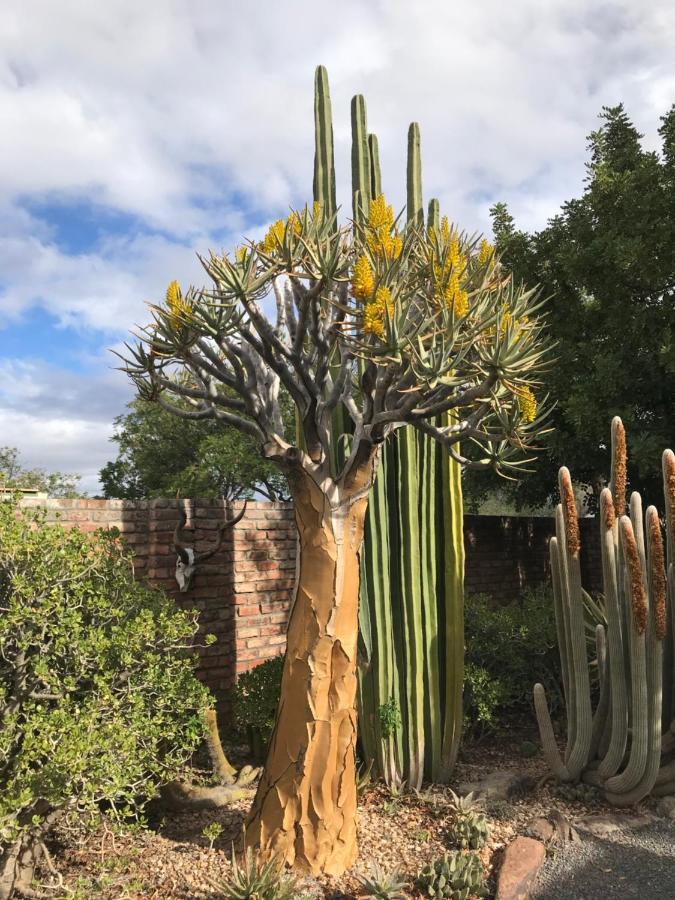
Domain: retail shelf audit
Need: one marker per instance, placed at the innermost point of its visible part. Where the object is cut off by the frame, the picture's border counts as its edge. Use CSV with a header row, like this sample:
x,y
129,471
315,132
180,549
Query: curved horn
x,y
222,528
178,544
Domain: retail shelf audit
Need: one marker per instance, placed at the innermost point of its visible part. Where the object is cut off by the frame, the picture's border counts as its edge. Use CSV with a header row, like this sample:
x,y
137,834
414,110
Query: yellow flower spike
x,y
178,307
274,237
379,238
316,210
527,402
295,223
373,320
363,281
445,228
383,300
240,254
485,252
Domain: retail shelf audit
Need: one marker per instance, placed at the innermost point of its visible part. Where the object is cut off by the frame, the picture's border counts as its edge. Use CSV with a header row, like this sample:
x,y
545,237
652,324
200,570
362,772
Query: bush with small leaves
x,y
457,876
98,698
469,828
382,885
212,832
256,697
253,879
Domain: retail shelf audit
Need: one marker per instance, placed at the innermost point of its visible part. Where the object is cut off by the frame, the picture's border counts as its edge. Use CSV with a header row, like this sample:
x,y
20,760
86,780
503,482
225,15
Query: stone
x,y
520,864
666,807
501,784
541,829
602,825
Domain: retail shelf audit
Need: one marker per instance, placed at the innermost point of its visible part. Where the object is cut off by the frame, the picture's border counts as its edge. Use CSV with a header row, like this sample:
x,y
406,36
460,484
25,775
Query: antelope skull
x,y
187,559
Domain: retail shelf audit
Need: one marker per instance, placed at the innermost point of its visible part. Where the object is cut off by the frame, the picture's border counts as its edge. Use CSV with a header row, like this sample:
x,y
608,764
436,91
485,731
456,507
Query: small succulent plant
x,y
585,793
253,879
457,876
469,829
383,885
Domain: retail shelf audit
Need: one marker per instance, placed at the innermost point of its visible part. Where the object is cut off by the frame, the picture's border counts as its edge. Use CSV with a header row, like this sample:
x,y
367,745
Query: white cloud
x,y
196,120
58,419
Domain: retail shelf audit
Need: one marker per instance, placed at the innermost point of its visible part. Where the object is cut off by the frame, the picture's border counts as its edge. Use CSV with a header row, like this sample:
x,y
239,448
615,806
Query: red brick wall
x,y
243,592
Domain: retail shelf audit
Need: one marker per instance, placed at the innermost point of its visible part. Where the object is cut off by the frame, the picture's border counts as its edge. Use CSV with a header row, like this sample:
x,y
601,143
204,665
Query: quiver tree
x,y
373,325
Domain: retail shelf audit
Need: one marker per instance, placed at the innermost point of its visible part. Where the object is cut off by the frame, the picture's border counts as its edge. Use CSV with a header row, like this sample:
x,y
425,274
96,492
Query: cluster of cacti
x,y
469,827
455,875
623,746
382,885
412,573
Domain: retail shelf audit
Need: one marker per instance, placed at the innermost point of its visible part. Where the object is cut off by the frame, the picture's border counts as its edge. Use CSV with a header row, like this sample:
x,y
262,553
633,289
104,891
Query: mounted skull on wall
x,y
187,558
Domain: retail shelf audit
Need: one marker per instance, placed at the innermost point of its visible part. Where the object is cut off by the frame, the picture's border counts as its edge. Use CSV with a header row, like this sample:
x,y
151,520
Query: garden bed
x,y
172,858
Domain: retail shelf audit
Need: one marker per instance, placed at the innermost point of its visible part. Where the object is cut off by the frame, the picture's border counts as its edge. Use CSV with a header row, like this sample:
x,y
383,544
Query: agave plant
x,y
382,884
470,829
454,875
254,879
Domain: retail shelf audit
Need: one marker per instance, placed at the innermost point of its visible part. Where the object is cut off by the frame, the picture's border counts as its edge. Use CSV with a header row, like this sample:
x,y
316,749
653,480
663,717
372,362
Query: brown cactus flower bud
x,y
619,467
669,487
657,573
569,511
607,508
637,589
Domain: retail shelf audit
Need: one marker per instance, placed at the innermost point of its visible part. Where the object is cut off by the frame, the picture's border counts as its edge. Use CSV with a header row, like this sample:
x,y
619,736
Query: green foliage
x,y
212,832
609,259
98,700
455,875
13,476
382,885
256,697
469,828
162,455
506,647
256,880
390,717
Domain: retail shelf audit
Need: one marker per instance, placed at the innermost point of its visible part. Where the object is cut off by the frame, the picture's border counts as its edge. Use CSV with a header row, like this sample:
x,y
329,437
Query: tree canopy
x,y
14,476
160,454
607,259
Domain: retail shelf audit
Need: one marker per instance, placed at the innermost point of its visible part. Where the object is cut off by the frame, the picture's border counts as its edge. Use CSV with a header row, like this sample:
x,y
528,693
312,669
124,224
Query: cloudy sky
x,y
134,134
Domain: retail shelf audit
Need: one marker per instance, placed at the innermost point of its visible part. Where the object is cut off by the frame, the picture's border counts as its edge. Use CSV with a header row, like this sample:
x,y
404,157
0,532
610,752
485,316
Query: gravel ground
x,y
636,862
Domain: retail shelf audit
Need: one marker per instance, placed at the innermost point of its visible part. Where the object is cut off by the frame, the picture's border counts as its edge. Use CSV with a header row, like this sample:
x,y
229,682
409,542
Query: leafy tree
x,y
98,698
13,476
160,455
608,261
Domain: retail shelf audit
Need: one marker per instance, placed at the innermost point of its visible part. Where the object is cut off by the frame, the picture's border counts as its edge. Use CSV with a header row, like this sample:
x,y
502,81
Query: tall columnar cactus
x,y
624,746
412,564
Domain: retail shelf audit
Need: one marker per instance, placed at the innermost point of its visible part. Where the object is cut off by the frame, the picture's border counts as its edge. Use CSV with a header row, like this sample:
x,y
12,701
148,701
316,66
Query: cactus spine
x,y
639,588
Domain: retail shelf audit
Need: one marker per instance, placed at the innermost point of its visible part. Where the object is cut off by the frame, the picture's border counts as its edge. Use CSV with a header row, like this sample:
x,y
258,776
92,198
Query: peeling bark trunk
x,y
305,806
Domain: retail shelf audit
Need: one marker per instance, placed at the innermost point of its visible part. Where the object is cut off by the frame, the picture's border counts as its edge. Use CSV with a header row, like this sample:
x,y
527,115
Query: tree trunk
x,y
305,806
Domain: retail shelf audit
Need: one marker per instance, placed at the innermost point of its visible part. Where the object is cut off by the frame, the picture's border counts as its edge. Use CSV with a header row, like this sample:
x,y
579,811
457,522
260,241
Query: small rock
x,y
522,860
541,829
601,826
666,807
498,785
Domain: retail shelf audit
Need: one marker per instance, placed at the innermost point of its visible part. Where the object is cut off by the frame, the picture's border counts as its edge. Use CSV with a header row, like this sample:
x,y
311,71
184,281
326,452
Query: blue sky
x,y
136,134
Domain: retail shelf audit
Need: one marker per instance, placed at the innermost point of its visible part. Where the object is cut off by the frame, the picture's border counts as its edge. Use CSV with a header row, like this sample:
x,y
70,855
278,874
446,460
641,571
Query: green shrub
x,y
508,648
98,700
256,698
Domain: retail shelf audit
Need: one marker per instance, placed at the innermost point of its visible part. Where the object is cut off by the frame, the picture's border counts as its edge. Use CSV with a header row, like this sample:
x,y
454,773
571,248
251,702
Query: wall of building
x,y
243,592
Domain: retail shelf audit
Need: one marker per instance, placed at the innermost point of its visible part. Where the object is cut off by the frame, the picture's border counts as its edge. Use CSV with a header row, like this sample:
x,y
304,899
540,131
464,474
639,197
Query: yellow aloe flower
x,y
379,237
374,313
178,306
363,280
240,254
527,402
485,252
274,237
